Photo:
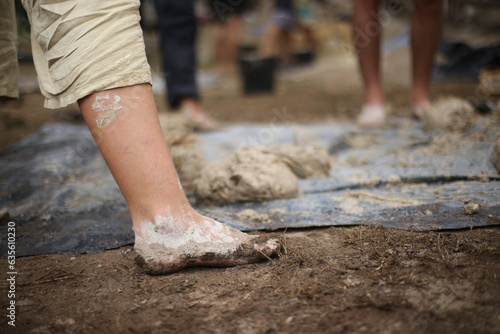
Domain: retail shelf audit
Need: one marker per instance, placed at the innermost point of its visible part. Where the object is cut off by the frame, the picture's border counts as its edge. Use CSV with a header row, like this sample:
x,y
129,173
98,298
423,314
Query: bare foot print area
x,y
329,280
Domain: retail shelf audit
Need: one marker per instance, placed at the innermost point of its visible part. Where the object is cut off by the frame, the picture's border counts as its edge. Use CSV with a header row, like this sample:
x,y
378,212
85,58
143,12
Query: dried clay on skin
x,y
107,108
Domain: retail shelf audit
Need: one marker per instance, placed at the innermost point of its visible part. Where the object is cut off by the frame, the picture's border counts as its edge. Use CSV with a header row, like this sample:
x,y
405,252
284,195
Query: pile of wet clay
x,y
450,114
187,156
257,173
253,173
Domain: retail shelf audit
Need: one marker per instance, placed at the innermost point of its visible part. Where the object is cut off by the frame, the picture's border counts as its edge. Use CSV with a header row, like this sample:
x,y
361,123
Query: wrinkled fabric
x,y
84,46
8,49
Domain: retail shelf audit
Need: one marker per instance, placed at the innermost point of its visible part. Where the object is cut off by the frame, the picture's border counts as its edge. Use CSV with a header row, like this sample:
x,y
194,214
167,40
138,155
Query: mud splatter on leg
x,y
108,107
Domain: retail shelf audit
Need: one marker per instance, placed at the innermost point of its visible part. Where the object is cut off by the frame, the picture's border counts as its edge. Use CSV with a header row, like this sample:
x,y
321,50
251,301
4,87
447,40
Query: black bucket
x,y
303,57
258,74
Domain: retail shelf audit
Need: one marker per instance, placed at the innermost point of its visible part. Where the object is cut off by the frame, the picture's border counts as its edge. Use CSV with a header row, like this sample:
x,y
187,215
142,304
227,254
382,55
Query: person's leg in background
x,y
367,36
177,26
227,39
310,38
267,45
277,41
426,27
234,26
220,39
228,29
284,45
305,23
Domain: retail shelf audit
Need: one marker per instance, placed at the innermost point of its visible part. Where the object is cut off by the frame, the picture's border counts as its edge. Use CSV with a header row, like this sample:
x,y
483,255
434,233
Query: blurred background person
x,y
227,16
426,27
177,28
287,16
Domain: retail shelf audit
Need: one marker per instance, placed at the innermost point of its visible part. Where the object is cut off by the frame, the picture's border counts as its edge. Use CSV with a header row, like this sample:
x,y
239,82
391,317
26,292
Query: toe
x,y
268,247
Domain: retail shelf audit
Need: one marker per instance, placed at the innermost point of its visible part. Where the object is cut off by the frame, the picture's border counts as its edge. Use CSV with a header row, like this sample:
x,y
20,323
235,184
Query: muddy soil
x,y
329,280
333,280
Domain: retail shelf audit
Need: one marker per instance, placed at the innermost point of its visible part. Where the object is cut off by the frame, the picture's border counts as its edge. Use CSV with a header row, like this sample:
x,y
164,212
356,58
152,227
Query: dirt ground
x,y
328,280
333,280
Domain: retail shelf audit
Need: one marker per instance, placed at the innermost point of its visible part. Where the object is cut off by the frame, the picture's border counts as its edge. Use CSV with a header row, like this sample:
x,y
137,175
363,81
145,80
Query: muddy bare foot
x,y
168,245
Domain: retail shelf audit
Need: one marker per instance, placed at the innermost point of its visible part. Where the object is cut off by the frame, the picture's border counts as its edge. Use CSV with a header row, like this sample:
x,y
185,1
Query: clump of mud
x,y
253,173
187,156
496,154
361,140
246,175
471,209
175,128
189,161
260,173
304,161
449,114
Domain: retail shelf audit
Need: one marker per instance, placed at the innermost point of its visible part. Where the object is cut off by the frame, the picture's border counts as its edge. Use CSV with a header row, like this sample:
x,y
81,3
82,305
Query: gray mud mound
x,y
257,173
186,153
450,114
246,175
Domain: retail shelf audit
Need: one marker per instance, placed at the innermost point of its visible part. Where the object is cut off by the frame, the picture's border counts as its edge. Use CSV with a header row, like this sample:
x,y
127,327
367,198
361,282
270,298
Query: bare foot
x,y
168,245
198,118
372,116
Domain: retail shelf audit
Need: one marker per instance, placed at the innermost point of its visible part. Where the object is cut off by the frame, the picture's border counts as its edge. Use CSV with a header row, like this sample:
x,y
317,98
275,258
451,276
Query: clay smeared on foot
x,y
168,245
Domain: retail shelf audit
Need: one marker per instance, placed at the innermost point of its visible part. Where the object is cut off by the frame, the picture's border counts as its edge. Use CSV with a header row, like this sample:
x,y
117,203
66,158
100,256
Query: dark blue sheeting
x,y
434,207
59,192
61,195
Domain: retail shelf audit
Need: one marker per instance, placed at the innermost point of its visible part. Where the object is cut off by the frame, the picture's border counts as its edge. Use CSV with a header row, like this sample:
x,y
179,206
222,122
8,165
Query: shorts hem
x,y
9,93
65,99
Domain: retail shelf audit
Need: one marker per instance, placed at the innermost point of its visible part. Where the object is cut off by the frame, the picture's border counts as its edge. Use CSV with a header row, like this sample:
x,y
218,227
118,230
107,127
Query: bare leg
x,y
170,235
310,37
227,38
277,42
285,45
267,46
220,36
234,23
426,29
366,34
367,44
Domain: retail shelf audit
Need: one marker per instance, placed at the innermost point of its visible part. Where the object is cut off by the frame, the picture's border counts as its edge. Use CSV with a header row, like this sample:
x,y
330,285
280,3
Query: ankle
x,y
374,99
419,100
169,219
188,101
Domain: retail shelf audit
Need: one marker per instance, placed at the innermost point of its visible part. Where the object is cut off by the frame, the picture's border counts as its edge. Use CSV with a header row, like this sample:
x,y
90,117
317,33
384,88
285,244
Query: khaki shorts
x,y
79,47
8,49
